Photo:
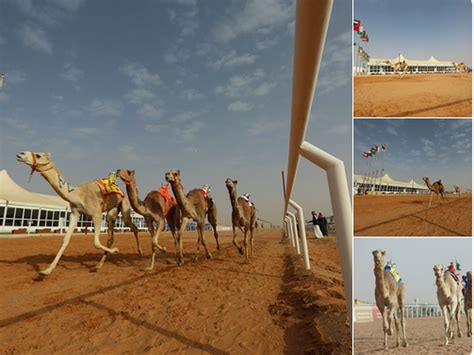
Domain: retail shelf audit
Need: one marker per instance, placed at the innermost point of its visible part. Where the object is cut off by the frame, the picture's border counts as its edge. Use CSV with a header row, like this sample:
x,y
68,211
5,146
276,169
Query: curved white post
x,y
290,230
302,232
295,230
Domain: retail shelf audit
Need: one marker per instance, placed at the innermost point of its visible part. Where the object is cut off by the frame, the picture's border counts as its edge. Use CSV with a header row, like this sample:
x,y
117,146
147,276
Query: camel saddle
x,y
455,276
204,194
395,275
170,201
108,188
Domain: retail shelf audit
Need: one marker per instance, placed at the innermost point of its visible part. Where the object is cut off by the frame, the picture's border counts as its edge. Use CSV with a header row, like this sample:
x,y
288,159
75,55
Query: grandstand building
x,y
376,66
387,185
31,212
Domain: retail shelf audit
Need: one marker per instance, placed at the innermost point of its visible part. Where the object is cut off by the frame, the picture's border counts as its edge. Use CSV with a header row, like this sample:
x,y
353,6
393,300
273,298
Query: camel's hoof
x,y
209,256
95,269
241,251
459,335
147,269
194,258
140,253
163,249
38,277
114,250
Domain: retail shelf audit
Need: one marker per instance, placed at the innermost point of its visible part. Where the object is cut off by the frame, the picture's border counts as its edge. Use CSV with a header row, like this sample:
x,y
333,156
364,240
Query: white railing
x,y
311,25
370,312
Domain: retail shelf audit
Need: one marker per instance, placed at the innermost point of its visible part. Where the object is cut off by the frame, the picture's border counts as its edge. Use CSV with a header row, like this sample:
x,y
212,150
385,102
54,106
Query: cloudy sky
x,y
418,29
414,259
204,87
438,148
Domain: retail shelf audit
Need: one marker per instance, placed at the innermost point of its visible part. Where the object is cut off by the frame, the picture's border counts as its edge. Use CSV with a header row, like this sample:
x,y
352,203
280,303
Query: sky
x,y
414,259
437,148
418,29
204,87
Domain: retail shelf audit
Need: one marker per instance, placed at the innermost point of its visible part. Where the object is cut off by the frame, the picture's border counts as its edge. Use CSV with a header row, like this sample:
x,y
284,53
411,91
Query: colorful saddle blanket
x,y
108,188
204,194
170,201
392,271
455,276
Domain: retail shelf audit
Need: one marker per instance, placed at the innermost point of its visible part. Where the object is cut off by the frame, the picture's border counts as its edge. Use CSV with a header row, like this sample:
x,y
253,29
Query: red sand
x,y
409,215
222,305
424,335
424,95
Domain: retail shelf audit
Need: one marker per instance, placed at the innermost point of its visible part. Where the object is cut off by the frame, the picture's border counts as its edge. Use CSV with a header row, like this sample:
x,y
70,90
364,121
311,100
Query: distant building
x,y
377,66
387,185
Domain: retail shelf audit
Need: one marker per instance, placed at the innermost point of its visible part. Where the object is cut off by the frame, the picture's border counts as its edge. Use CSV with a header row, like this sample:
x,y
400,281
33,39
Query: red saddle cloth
x,y
170,201
204,194
455,276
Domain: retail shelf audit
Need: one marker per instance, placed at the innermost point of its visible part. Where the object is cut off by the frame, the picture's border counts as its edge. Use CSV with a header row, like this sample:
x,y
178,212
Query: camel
x,y
449,298
467,292
389,297
243,216
457,190
155,208
436,187
401,68
461,67
195,205
84,199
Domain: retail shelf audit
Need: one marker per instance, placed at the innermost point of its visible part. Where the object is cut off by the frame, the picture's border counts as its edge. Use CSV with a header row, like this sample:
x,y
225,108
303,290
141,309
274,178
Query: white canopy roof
x,y
13,193
431,62
387,180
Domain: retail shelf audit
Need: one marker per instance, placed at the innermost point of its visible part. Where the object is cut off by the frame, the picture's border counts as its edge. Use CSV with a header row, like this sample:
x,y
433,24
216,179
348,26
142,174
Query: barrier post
x,y
295,230
302,233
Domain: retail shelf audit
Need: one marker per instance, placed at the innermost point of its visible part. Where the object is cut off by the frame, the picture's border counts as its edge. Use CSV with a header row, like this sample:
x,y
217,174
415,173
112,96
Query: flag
x,y
365,155
458,266
2,78
373,151
356,25
361,29
376,147
384,146
369,153
365,38
362,34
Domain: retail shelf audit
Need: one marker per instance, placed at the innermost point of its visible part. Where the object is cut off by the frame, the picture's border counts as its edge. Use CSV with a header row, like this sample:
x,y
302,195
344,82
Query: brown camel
x,y
400,68
449,298
457,190
195,205
389,297
468,302
461,67
157,206
86,199
243,217
436,187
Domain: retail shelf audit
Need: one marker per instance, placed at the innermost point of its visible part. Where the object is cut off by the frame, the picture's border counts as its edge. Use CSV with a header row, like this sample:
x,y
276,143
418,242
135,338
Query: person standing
x,y
316,227
323,224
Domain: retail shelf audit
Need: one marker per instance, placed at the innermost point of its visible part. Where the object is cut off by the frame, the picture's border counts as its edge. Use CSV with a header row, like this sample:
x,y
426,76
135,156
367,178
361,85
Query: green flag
x,y
458,266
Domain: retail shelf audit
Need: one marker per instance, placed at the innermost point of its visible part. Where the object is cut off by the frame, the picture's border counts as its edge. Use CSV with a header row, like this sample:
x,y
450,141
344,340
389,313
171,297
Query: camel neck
x,y
59,183
177,188
135,201
442,286
380,279
233,201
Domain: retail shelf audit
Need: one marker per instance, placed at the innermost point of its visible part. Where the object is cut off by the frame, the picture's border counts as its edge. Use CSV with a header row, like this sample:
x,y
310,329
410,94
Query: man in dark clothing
x,y
323,224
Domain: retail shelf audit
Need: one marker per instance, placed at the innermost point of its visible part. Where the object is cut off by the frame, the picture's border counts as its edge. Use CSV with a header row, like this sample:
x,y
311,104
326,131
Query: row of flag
x,y
372,152
364,37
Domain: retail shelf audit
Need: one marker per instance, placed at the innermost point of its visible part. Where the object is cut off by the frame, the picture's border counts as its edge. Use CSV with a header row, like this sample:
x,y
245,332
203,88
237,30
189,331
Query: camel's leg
x,y
246,247
446,324
154,244
74,217
391,312
469,322
385,329
211,217
457,313
127,220
173,221
97,221
234,235
111,218
252,253
403,324
203,240
397,328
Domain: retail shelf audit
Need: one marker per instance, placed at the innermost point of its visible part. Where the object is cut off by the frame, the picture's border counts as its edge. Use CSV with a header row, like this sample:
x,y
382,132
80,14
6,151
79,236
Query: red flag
x,y
356,25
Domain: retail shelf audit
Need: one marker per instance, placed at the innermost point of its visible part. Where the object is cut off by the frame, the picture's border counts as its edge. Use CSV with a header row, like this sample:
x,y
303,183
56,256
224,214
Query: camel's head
x,y
127,176
438,270
172,176
34,159
379,257
426,179
230,183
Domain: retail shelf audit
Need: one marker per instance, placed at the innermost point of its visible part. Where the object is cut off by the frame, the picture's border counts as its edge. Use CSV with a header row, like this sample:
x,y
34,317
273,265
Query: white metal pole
x,y
290,231
302,233
295,230
342,209
287,229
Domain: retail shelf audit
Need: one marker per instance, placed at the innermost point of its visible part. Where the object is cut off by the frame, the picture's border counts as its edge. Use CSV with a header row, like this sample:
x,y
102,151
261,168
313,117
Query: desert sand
x,y
218,306
420,95
409,215
425,336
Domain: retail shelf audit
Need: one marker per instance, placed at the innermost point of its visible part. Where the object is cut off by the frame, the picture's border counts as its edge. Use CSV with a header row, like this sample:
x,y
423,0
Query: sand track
x,y
216,306
420,95
409,215
425,336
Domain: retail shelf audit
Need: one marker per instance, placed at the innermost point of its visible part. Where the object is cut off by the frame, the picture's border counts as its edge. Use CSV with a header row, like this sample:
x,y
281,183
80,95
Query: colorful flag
x,y
365,155
376,147
369,153
384,146
374,151
458,266
365,38
362,34
356,25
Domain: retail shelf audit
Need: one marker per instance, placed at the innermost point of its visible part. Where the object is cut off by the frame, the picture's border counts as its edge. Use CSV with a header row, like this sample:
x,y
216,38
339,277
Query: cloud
x,y
149,109
176,54
85,131
15,77
18,124
239,106
140,75
59,108
71,73
257,16
49,12
232,59
263,126
191,94
35,38
246,85
105,107
267,43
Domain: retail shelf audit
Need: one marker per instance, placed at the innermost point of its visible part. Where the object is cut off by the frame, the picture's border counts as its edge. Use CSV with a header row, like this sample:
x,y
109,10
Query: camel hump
x,y
439,181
